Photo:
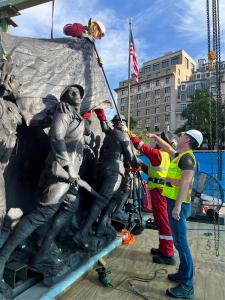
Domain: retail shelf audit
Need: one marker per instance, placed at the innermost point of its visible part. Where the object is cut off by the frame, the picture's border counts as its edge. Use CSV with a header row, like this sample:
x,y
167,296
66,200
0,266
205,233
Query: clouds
x,y
36,22
192,19
159,26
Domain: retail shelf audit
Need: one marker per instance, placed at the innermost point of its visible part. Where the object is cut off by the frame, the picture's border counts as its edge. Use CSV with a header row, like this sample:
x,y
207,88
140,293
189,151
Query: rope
x,y
53,9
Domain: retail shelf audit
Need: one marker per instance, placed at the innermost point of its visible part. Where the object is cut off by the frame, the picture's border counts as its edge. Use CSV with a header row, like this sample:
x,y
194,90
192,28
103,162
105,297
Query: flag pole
x,y
128,108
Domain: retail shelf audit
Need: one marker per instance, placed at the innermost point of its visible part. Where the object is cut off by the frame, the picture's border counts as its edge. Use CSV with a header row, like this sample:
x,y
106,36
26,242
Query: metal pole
x,y
128,104
110,91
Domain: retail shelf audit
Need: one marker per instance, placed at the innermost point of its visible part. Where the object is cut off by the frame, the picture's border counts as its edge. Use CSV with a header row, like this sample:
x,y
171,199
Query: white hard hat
x,y
101,26
196,134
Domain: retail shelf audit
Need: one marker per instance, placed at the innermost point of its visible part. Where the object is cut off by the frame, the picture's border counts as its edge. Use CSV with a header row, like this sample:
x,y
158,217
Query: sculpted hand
x,y
73,177
124,128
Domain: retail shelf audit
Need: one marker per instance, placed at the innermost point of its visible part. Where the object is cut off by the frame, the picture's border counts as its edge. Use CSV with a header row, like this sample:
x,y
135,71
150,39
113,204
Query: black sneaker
x,y
181,291
160,259
174,277
155,251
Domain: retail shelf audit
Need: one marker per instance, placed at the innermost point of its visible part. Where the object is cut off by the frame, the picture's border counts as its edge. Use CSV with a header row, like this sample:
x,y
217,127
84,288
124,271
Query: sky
x,y
159,26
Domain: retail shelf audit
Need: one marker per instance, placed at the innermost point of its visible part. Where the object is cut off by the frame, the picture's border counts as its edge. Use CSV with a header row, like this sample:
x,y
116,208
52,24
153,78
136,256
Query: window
x,y
192,67
148,94
182,97
165,63
213,89
157,83
198,86
178,80
167,90
139,96
198,76
147,102
147,85
139,88
186,61
139,122
167,80
139,105
122,108
157,101
167,118
157,93
131,106
183,106
156,67
138,113
167,108
167,99
157,119
147,112
148,121
183,87
132,90
147,70
123,100
123,92
157,110
175,60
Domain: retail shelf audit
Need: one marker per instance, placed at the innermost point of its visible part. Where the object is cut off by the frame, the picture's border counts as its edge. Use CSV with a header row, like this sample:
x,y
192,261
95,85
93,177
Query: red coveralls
x,y
159,203
75,30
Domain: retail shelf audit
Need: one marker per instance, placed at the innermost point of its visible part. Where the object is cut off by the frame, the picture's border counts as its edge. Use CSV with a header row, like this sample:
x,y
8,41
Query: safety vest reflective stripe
x,y
166,237
176,182
140,145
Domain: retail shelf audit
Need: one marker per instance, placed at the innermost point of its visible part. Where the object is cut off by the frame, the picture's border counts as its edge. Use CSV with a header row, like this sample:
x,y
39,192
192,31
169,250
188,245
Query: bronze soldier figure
x,y
67,139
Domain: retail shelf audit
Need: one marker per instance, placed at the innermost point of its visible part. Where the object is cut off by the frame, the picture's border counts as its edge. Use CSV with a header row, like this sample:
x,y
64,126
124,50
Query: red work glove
x,y
87,115
100,114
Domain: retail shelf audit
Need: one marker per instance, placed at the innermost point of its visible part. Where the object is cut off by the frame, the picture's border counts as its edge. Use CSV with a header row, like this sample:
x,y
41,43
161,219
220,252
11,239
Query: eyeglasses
x,y
181,134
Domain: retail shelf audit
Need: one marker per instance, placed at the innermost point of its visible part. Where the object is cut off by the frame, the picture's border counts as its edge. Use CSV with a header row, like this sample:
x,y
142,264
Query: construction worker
x,y
159,164
177,190
95,30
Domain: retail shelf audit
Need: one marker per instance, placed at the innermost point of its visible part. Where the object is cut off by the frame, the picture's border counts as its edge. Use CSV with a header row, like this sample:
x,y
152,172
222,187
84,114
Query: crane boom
x,y
10,8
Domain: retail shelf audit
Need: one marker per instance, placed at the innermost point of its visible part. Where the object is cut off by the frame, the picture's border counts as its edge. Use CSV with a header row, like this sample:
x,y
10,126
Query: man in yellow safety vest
x,y
177,189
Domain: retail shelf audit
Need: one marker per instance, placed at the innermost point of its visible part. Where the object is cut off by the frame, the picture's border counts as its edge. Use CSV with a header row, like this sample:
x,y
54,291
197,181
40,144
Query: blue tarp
x,y
208,163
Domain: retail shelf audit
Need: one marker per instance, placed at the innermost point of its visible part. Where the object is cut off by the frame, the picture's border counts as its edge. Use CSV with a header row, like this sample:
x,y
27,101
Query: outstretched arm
x,y
162,144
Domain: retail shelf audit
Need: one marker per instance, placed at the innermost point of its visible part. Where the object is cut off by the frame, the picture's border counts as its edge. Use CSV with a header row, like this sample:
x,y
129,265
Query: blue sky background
x,y
159,26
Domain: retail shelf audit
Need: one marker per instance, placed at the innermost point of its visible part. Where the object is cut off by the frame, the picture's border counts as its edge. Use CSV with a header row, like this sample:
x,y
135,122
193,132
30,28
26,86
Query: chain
x,y
216,48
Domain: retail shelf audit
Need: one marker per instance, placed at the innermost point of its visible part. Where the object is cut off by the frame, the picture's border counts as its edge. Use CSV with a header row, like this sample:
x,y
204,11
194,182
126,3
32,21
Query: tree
x,y
201,114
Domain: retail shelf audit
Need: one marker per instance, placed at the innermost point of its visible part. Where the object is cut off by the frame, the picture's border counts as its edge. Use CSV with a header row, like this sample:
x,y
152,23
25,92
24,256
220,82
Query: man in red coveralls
x,y
95,30
159,164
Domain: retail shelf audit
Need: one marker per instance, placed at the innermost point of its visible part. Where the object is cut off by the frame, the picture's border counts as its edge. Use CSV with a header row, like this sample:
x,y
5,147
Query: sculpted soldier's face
x,y
73,97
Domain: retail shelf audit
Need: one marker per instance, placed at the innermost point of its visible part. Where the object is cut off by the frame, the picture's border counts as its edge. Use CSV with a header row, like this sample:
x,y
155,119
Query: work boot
x,y
181,291
166,260
174,277
155,251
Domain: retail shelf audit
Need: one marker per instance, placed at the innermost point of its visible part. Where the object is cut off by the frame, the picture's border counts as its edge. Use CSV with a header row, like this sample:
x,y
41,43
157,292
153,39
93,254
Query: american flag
x,y
133,54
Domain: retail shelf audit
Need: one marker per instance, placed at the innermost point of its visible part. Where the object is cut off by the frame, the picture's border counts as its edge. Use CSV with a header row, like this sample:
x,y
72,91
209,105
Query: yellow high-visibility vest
x,y
173,179
158,172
